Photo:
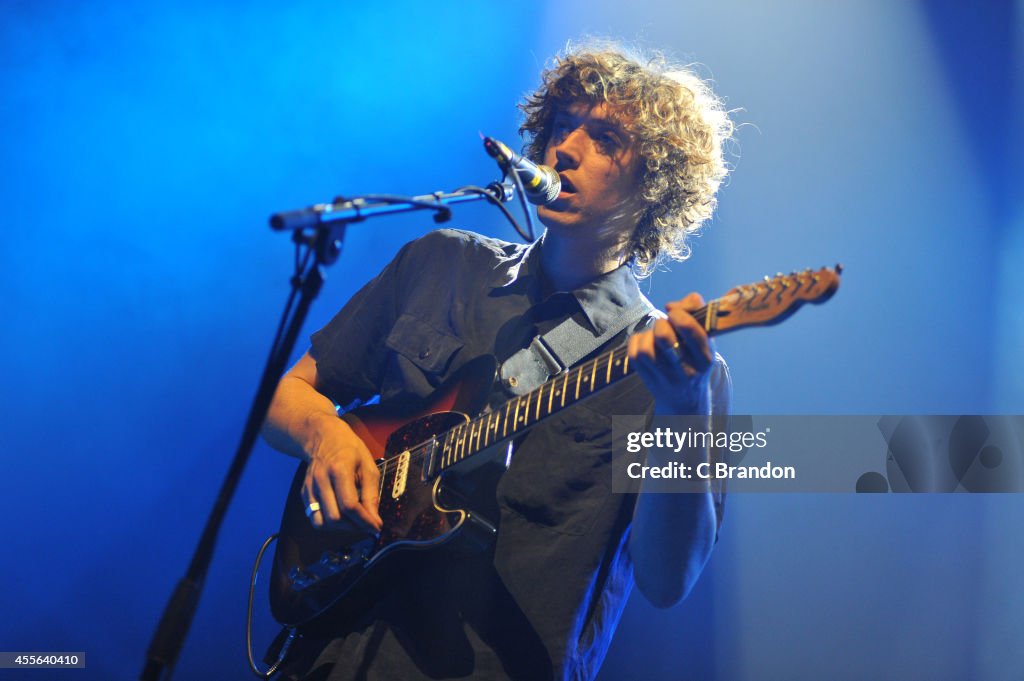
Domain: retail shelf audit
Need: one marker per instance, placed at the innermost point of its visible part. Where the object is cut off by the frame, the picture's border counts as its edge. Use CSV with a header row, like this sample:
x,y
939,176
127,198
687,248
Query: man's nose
x,y
569,150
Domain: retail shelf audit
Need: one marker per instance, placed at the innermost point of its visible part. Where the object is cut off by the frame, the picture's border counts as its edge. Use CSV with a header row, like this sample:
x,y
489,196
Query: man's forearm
x,y
671,540
297,417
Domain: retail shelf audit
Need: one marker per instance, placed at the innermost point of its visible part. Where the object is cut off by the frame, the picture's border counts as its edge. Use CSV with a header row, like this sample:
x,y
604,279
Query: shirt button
x,y
424,353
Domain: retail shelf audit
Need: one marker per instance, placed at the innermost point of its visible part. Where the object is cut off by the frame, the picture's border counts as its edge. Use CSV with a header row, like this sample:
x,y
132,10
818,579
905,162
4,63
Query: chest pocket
x,y
421,357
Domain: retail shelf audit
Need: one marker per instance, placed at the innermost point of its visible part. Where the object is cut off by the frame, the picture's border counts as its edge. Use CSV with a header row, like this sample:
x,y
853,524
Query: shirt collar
x,y
602,299
518,267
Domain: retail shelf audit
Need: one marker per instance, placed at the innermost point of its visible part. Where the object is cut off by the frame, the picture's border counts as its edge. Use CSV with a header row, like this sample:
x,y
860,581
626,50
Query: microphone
x,y
540,183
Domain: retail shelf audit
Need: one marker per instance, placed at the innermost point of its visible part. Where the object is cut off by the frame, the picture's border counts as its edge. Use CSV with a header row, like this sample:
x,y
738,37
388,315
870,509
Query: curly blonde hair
x,y
679,127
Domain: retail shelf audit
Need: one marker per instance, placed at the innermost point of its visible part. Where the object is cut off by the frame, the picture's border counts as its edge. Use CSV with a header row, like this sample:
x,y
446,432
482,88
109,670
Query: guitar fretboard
x,y
522,413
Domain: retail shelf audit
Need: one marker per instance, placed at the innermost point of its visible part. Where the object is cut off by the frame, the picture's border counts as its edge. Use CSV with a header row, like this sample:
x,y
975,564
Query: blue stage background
x,y
144,146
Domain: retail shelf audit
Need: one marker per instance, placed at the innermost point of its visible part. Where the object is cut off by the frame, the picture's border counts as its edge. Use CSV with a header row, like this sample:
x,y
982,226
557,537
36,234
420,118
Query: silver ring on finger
x,y
313,507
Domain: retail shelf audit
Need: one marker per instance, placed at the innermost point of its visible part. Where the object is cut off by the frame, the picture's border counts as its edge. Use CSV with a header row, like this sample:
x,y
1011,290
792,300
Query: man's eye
x,y
608,140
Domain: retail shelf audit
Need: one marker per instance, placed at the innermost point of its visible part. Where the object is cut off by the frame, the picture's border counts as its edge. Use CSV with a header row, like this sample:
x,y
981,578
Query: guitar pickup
x,y
401,475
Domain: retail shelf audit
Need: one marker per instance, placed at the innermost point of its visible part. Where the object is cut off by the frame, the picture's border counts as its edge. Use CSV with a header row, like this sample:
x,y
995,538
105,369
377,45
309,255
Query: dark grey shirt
x,y
543,602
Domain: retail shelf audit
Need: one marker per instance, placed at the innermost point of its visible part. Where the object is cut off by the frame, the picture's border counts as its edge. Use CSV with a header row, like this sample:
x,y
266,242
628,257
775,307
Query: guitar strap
x,y
563,346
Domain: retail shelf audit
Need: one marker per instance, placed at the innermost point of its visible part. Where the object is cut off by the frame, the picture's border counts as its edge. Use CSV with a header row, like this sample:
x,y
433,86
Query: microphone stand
x,y
319,229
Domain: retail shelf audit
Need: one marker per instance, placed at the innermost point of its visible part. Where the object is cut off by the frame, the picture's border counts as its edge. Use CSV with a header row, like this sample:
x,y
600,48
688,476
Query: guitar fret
x,y
540,393
608,376
455,444
579,375
526,411
551,396
593,372
504,428
515,420
565,382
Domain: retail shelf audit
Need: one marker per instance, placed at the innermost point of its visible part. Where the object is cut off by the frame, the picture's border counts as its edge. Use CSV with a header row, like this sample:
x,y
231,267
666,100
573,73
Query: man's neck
x,y
570,263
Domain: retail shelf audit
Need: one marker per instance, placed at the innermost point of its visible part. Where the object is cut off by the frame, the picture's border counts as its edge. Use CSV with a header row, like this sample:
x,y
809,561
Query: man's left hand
x,y
674,358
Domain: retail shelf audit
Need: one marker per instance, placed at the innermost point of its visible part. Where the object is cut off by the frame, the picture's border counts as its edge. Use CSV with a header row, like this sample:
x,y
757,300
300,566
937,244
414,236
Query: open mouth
x,y
567,185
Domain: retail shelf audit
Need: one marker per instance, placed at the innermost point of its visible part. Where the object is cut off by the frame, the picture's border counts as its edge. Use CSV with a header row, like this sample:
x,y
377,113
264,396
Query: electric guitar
x,y
315,570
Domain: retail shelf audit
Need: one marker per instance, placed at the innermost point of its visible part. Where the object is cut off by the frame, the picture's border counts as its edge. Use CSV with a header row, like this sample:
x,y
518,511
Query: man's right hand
x,y
343,478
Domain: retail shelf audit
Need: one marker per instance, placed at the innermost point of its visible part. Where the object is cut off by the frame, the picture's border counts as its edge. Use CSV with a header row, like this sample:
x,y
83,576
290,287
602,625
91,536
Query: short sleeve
x,y
721,406
350,350
721,387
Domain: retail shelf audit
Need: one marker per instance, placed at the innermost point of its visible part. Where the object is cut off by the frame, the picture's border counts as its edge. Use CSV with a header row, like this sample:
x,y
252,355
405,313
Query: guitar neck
x,y
763,303
521,413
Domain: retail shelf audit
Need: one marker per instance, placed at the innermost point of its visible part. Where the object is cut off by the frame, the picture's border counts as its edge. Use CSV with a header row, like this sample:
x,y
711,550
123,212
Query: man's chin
x,y
554,214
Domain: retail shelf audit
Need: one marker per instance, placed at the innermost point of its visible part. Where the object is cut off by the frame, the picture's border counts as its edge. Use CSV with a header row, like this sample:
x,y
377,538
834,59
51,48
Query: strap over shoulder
x,y
563,346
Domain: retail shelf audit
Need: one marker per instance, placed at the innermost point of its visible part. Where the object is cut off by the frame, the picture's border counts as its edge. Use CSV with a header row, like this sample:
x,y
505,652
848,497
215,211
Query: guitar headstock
x,y
772,300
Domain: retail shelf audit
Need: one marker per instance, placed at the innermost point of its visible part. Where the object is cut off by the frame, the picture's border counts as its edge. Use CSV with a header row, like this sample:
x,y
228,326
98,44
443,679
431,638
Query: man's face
x,y
595,159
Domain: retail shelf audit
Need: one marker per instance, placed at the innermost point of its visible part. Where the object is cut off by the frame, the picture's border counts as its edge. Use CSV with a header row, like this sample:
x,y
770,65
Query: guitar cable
x,y
292,631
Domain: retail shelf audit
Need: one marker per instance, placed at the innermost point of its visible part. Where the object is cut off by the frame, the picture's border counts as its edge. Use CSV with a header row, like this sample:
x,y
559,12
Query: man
x,y
638,148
